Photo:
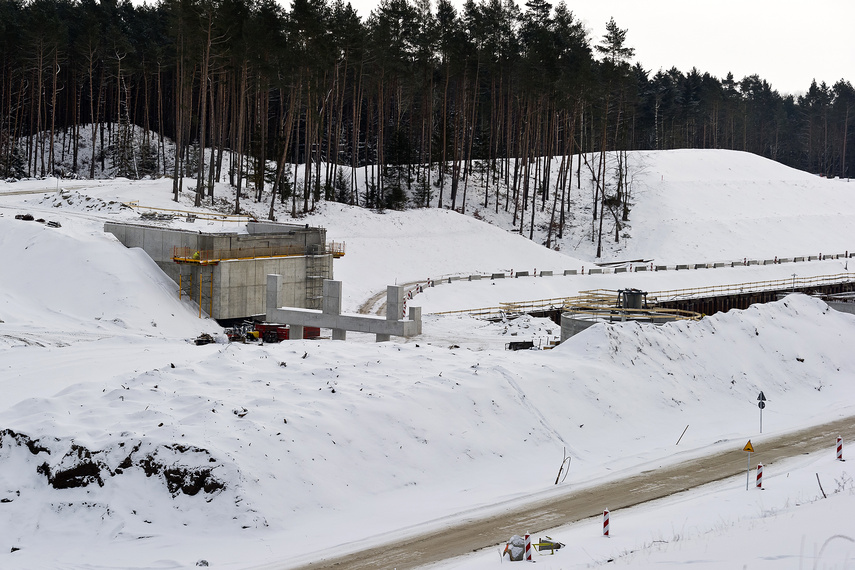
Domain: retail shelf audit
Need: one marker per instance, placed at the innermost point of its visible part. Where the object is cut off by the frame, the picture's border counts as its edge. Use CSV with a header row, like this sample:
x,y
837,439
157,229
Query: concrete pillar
x,y
394,308
274,285
332,305
394,303
416,316
295,332
332,297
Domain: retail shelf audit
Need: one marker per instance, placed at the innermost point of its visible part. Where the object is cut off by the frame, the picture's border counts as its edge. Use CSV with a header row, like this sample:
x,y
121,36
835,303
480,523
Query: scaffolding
x,y
316,272
317,268
200,288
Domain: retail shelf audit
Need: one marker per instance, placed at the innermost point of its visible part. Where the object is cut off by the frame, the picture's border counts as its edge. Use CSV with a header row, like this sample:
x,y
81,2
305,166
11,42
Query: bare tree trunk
x,y
444,135
240,130
56,70
471,137
203,109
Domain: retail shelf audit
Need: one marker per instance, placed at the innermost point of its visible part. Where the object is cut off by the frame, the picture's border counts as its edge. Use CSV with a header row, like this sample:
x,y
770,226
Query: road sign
x,y
749,448
761,399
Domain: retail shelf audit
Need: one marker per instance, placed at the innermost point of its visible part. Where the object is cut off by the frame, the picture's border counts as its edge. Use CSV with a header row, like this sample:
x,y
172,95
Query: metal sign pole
x,y
748,473
749,448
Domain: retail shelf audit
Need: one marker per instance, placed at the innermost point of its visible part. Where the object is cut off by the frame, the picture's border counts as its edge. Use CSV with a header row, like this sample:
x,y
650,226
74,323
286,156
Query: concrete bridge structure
x,y
331,317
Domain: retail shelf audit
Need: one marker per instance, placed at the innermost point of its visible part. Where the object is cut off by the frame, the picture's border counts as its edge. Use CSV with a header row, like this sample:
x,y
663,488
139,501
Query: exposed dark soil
x,y
78,466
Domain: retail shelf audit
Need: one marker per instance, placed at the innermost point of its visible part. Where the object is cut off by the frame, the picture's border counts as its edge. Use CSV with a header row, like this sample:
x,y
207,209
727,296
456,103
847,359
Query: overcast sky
x,y
785,42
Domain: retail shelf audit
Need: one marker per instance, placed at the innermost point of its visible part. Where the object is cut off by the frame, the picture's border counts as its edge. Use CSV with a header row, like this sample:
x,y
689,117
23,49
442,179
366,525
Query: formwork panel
x,y
224,271
255,298
224,300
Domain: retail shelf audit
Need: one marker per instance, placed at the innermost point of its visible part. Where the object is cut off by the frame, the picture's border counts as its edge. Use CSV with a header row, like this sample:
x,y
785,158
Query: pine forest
x,y
396,110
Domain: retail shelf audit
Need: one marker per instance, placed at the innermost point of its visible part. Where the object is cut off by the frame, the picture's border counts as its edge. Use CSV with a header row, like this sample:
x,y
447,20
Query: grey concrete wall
x,y
842,307
299,233
158,243
571,326
240,286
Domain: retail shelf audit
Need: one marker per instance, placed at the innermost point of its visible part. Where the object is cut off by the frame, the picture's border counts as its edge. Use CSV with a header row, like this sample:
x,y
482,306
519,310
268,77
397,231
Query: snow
x,y
321,442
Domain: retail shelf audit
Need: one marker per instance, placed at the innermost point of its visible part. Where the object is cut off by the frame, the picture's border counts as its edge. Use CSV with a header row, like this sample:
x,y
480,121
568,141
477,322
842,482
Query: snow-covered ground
x,y
246,455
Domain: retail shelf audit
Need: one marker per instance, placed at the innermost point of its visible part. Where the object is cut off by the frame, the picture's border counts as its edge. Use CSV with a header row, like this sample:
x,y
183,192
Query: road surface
x,y
470,535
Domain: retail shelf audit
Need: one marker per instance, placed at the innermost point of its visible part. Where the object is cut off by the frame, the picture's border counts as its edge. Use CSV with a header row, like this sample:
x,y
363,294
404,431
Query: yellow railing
x,y
336,248
483,313
207,256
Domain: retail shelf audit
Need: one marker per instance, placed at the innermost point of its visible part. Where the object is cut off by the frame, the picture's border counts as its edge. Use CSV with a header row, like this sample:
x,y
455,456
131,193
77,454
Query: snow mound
x,y
715,166
77,278
77,202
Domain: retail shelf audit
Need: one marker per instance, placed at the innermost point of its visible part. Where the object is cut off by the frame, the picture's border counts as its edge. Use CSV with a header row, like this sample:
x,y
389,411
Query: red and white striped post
x,y
527,547
839,448
759,475
606,522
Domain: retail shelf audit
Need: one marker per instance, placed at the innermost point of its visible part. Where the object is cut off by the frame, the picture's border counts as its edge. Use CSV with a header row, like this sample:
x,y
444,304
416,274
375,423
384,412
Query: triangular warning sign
x,y
748,447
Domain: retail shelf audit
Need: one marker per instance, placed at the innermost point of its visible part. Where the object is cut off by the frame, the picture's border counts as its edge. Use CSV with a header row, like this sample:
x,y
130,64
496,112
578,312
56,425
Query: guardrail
x,y
605,269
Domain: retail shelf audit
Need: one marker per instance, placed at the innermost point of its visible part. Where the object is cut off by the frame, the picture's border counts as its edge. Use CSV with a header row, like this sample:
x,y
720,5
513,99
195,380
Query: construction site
x,y
225,274
589,307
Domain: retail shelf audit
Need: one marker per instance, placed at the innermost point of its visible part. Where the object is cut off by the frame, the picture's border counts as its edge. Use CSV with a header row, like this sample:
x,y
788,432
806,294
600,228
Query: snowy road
x,y
472,534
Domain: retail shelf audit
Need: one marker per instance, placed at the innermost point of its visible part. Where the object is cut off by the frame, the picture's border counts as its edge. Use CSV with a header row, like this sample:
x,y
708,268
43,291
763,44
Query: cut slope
x,y
724,205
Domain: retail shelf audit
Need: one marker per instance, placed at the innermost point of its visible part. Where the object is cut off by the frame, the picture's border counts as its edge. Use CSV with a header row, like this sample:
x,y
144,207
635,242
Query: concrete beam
x,y
331,318
349,322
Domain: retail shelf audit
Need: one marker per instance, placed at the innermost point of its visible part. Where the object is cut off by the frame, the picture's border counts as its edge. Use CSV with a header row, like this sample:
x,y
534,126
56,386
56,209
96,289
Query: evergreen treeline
x,y
414,91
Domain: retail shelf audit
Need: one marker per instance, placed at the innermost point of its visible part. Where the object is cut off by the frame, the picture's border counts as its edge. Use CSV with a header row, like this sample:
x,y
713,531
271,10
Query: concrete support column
x,y
416,317
394,303
332,305
394,307
295,332
274,285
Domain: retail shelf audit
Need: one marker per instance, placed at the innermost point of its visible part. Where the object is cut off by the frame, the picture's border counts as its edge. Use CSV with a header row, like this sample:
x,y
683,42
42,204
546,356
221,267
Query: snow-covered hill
x,y
124,445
